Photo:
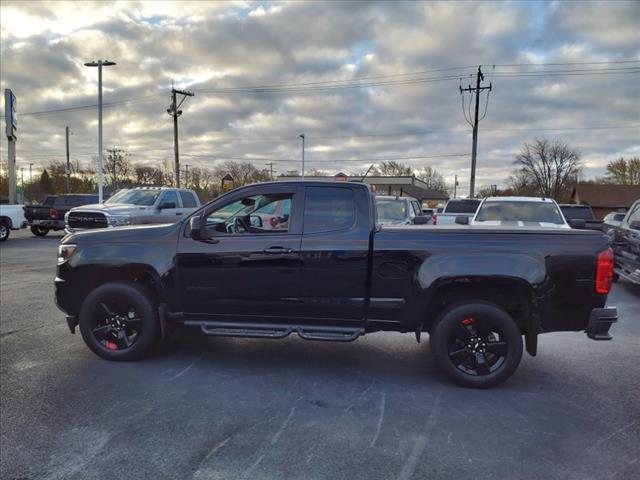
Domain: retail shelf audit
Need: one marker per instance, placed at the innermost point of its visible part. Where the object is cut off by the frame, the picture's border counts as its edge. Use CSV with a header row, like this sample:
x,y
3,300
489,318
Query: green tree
x,y
46,185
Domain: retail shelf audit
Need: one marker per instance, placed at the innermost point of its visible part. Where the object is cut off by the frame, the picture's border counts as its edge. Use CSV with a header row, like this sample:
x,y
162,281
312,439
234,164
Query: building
x,y
605,198
403,186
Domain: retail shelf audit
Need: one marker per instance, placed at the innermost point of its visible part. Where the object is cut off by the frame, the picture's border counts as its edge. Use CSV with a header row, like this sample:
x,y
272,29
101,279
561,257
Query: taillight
x,y
53,213
604,271
435,218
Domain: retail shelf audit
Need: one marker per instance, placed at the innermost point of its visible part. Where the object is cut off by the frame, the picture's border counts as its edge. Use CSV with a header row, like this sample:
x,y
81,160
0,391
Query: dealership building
x,y
408,185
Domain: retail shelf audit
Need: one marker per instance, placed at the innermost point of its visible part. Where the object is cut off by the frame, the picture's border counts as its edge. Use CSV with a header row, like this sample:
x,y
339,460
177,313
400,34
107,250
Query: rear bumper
x,y
53,224
600,323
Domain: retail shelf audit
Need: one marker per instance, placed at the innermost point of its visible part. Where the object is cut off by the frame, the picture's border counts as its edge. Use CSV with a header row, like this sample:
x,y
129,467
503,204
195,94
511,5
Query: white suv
x,y
134,206
519,212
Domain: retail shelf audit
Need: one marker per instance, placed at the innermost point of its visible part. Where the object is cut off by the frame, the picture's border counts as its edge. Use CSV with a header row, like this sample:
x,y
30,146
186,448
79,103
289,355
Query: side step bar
x,y
262,330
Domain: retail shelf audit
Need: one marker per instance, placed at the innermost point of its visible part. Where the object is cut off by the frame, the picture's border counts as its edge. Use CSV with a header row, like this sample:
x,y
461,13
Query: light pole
x,y
302,137
100,64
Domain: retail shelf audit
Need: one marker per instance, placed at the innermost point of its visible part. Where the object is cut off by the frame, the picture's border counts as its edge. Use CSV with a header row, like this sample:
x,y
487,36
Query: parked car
x,y
517,212
612,220
625,240
580,216
134,206
11,218
400,211
334,274
457,207
50,214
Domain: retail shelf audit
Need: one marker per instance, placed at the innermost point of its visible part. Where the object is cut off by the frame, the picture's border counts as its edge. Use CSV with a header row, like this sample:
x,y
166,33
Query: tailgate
x,y
37,212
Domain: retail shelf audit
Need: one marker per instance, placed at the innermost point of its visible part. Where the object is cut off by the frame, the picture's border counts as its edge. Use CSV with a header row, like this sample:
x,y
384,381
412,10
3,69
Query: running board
x,y
264,330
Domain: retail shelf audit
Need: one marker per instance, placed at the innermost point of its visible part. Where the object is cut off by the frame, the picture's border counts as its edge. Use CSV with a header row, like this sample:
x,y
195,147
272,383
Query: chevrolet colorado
x,y
329,272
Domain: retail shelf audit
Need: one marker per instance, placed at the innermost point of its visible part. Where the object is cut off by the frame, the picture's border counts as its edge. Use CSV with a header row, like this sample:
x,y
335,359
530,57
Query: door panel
x,y
333,271
241,275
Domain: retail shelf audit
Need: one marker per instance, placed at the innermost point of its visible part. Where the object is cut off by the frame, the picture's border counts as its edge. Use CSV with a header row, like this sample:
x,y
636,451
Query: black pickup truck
x,y
49,215
328,272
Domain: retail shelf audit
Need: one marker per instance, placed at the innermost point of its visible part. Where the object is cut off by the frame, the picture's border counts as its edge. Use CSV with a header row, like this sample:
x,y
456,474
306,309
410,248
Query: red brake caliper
x,y
468,321
111,345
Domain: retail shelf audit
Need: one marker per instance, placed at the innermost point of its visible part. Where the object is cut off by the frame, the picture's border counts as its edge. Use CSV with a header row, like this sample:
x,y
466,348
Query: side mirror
x,y
635,225
166,205
195,227
462,220
578,223
256,221
421,220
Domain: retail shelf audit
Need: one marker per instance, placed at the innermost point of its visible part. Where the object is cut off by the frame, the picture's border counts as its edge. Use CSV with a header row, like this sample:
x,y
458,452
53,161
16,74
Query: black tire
x,y
39,231
5,232
486,355
119,299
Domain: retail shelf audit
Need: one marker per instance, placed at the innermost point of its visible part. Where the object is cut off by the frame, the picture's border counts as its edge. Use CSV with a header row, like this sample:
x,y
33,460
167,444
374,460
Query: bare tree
x,y
243,173
432,178
394,169
117,166
551,166
624,172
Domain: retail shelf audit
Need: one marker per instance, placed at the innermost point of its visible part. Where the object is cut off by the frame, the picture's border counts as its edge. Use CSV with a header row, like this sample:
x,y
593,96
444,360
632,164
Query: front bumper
x,y
600,323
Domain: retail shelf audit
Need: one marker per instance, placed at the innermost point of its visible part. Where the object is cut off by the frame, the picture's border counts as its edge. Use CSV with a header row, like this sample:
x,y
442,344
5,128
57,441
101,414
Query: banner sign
x,y
10,113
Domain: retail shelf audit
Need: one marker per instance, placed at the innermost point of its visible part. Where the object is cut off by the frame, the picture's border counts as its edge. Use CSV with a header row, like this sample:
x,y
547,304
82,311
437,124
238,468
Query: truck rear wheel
x,y
39,231
5,231
118,321
477,345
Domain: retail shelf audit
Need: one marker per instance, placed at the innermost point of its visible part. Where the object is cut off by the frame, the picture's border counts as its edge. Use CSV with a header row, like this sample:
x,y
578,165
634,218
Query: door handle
x,y
178,213
277,250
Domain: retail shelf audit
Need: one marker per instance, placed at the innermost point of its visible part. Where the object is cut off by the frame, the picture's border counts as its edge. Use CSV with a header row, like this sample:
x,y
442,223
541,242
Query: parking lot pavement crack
x,y
383,401
420,444
186,369
276,436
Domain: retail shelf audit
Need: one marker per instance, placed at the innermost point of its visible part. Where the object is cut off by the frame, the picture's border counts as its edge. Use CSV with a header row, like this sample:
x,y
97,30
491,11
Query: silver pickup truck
x,y
457,207
135,206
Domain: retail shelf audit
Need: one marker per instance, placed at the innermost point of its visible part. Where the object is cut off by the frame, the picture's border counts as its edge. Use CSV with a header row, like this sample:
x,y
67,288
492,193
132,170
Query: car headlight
x,y
65,251
119,220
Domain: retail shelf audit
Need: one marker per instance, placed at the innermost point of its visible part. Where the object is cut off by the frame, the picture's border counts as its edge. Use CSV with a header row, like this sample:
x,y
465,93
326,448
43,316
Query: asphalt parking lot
x,y
223,408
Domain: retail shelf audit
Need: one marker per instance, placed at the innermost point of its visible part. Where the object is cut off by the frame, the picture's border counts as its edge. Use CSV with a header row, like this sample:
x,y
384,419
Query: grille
x,y
87,220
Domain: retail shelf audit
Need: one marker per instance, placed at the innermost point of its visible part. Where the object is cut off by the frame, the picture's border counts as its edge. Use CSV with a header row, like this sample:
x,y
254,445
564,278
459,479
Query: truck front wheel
x,y
5,231
477,345
118,321
39,231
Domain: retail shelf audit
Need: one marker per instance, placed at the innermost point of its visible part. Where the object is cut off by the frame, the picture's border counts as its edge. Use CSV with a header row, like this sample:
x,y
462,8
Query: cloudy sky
x,y
363,81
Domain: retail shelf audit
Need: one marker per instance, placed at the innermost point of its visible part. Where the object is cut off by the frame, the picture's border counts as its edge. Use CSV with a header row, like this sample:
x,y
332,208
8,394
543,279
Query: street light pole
x,y
100,64
302,137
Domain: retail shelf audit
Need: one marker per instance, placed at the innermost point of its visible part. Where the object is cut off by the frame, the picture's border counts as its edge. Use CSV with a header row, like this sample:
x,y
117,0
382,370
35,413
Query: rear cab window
x,y
328,209
188,199
462,206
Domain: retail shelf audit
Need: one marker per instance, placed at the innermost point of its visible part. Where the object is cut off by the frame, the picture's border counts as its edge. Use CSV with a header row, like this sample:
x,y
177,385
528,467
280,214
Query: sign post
x,y
227,182
11,120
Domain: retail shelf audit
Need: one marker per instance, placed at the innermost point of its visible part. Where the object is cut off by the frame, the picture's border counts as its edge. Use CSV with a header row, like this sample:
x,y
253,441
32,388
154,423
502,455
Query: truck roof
x,y
519,199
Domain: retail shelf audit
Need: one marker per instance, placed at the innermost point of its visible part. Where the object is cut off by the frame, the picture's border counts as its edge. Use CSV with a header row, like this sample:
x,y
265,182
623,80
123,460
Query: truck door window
x,y
255,214
328,209
169,197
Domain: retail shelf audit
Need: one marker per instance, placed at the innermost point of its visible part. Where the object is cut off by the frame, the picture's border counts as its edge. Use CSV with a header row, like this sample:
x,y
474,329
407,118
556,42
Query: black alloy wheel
x,y
118,321
4,232
477,345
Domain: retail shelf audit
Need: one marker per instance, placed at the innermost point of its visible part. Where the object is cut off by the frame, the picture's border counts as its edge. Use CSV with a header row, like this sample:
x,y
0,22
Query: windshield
x,y
520,211
135,197
461,206
391,210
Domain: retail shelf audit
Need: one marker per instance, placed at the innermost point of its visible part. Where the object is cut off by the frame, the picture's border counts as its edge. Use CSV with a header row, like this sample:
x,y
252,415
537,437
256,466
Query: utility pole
x,y
455,187
474,150
30,178
302,137
22,179
175,113
186,175
270,165
68,164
